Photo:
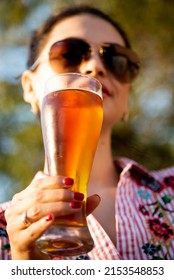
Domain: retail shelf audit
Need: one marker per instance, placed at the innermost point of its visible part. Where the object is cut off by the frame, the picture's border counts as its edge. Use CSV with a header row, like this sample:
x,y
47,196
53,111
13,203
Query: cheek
x,y
123,101
117,105
121,95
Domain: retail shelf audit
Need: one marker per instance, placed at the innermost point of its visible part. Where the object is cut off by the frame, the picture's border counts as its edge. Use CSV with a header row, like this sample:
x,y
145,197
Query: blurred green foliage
x,y
147,137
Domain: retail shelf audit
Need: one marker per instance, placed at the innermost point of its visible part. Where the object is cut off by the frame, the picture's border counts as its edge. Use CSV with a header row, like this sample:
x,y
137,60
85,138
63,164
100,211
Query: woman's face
x,y
93,30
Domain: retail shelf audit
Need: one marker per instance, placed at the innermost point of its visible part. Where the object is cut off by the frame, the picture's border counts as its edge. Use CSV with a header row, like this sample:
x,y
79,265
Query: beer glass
x,y
71,120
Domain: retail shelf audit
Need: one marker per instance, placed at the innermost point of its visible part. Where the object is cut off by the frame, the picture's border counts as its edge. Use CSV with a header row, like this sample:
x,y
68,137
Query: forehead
x,y
88,27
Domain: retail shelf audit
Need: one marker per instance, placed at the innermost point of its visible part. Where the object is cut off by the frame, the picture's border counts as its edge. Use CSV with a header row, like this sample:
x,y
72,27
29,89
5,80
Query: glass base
x,y
65,241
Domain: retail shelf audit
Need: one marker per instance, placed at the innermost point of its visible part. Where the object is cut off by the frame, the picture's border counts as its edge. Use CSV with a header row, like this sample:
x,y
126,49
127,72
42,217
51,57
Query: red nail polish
x,y
50,217
68,181
78,196
75,204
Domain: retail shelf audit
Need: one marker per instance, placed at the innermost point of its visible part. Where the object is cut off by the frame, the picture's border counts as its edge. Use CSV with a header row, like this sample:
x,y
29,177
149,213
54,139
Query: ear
x,y
125,115
29,93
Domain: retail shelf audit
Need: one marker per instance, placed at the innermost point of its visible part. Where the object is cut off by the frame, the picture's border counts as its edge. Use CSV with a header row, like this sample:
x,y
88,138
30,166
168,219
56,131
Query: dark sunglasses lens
x,y
123,68
119,64
133,70
68,53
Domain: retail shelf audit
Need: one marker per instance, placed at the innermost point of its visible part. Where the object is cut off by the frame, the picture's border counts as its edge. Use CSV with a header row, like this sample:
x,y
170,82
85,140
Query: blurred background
x,y
147,137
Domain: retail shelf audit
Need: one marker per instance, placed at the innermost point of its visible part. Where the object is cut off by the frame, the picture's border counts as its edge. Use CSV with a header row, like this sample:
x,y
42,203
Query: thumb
x,y
92,203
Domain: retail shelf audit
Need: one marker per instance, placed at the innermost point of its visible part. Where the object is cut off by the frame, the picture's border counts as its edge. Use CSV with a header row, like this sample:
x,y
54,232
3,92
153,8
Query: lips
x,y
105,91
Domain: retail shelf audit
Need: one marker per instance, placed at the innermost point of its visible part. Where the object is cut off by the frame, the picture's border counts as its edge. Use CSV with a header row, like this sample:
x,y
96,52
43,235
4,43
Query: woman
x,y
134,216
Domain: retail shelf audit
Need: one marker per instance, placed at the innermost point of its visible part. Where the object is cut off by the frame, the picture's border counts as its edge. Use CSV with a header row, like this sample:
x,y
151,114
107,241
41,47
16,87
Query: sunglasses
x,y
68,54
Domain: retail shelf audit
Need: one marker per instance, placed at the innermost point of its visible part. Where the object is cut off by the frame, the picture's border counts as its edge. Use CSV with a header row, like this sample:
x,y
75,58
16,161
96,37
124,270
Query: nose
x,y
93,66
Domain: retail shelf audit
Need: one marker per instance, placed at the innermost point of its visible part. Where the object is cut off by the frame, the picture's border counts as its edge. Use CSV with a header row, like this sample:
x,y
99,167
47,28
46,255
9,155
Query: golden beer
x,y
71,122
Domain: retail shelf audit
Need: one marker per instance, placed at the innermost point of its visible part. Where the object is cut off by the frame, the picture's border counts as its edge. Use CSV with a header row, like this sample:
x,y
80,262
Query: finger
x,y
92,203
48,196
42,184
36,229
52,182
59,209
25,239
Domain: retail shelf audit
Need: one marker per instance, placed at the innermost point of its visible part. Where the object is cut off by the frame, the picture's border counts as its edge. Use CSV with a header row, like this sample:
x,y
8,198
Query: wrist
x,y
34,254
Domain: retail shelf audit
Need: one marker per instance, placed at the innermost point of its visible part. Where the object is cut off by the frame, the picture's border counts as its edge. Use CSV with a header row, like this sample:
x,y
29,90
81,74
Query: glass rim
x,y
98,92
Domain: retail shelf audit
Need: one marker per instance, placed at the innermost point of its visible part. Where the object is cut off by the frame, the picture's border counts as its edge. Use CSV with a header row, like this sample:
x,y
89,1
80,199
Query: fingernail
x,y
78,196
68,181
50,217
75,204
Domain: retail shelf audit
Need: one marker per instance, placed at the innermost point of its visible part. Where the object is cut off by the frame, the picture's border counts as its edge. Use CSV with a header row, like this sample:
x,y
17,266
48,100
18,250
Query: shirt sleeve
x,y
4,240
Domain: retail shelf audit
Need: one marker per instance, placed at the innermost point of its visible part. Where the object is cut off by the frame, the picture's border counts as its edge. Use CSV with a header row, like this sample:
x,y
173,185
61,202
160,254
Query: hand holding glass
x,y
71,119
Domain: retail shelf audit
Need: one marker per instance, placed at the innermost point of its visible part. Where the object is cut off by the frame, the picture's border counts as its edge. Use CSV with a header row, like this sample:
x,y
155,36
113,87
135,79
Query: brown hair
x,y
39,36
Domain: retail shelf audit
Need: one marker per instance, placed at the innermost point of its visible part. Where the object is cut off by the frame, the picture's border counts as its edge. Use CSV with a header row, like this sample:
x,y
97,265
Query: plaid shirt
x,y
144,217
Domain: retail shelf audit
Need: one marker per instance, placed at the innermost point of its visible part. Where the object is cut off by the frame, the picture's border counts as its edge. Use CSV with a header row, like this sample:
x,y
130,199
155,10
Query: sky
x,y
12,55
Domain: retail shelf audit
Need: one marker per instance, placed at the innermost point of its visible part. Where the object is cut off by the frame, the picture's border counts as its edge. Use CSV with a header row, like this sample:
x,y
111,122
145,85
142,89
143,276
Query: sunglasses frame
x,y
129,54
